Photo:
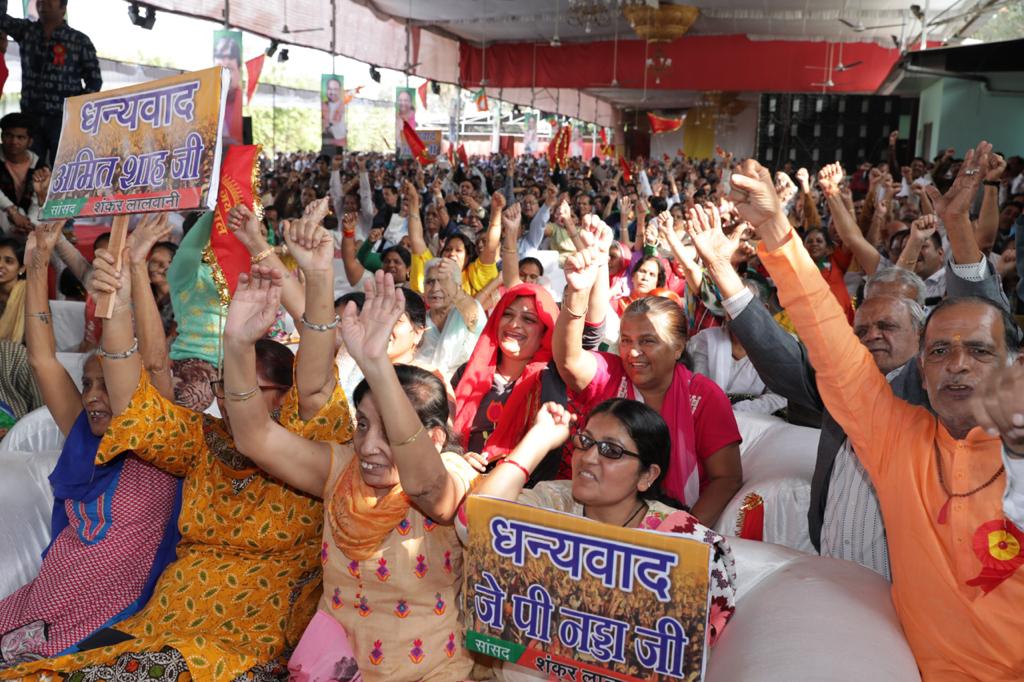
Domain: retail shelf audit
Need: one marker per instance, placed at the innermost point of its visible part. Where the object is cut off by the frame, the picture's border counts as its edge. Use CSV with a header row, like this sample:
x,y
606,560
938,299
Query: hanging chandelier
x,y
591,14
661,24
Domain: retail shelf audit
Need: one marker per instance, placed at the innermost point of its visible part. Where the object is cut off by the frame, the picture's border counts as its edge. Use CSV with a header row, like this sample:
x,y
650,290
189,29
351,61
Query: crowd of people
x,y
220,497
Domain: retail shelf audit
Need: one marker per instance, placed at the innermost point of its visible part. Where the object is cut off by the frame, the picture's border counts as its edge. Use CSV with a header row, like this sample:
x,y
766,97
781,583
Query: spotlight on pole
x,y
435,87
272,50
139,19
374,73
282,56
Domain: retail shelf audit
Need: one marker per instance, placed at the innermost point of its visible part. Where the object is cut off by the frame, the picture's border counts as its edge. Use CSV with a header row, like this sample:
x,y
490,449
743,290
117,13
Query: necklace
x,y
643,505
944,510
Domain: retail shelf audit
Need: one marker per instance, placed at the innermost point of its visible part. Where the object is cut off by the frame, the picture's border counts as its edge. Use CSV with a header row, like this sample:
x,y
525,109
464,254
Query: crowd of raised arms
x,y
216,490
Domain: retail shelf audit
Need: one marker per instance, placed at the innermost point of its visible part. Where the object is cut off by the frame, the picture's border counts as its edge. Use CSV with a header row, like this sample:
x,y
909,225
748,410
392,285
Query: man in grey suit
x,y
844,519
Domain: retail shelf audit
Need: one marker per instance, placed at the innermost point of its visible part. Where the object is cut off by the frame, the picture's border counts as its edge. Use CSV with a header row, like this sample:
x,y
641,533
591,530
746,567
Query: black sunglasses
x,y
605,448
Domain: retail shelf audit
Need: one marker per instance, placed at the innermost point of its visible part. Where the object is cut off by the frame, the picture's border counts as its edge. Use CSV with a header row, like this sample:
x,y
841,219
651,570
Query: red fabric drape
x,y
725,63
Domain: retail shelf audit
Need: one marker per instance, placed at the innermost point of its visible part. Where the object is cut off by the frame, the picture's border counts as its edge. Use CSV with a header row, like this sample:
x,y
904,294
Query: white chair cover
x,y
778,462
35,432
74,363
68,324
26,501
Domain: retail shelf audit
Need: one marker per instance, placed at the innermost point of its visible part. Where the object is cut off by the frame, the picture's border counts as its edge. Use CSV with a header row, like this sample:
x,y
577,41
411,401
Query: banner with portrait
x,y
579,600
144,148
530,133
332,113
405,112
227,52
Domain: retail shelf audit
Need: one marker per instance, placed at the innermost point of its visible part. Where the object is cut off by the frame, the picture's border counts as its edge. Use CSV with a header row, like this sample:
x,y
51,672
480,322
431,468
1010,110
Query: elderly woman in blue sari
x,y
114,525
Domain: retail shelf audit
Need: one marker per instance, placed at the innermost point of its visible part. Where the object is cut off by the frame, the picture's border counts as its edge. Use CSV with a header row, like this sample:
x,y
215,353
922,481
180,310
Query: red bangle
x,y
517,465
348,234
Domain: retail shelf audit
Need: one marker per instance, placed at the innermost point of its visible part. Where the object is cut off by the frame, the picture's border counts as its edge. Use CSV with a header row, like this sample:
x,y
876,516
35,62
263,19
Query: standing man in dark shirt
x,y
56,62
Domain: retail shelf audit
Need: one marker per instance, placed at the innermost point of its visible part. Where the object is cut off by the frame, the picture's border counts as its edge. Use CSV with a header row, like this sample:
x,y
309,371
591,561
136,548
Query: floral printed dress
x,y
247,577
400,607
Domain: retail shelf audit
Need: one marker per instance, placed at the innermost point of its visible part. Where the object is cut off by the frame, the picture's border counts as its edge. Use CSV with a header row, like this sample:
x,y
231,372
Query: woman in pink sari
x,y
704,469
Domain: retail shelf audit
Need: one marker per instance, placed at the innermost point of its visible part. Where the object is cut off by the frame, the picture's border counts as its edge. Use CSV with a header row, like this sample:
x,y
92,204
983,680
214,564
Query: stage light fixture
x,y
516,111
270,51
145,21
435,87
374,73
282,56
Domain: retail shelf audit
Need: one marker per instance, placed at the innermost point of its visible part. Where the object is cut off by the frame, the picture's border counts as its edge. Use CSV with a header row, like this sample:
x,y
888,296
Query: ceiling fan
x,y
840,66
829,68
285,30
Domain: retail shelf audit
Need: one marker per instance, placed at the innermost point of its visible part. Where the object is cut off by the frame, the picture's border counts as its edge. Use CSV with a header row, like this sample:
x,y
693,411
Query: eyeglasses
x,y
581,441
218,388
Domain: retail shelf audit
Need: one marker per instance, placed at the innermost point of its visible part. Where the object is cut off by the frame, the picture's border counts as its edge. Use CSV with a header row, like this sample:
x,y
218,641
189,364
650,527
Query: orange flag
x,y
351,94
238,173
463,157
416,146
422,90
253,68
662,124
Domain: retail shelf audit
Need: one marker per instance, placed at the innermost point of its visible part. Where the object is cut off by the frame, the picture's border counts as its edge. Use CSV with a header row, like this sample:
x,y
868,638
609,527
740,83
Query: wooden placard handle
x,y
118,237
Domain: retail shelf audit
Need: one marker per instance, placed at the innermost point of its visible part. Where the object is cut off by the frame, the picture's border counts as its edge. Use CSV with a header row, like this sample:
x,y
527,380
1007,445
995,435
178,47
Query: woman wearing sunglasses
x,y
618,459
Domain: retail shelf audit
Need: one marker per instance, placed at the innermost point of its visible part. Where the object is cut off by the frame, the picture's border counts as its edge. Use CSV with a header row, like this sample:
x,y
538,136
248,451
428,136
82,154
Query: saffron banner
x,y
575,599
140,149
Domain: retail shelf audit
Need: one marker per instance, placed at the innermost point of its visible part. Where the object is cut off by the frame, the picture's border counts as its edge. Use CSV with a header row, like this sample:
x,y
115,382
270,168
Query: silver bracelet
x,y
320,327
119,356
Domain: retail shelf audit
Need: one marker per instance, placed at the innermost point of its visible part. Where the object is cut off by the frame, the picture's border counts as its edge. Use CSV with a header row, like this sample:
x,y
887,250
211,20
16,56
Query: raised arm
x,y
511,221
416,240
921,230
149,327
489,250
599,300
988,218
313,249
57,388
122,364
243,223
253,310
576,366
353,268
550,430
829,179
954,205
421,471
691,269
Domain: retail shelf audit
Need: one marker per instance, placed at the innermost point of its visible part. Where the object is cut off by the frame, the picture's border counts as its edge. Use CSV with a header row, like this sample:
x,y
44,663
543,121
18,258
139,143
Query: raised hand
x,y
553,423
996,167
244,224
411,195
498,202
511,217
804,178
317,210
753,193
924,227
893,136
151,229
999,407
564,214
106,278
310,245
41,242
830,178
367,333
705,230
957,200
254,305
581,268
600,231
41,183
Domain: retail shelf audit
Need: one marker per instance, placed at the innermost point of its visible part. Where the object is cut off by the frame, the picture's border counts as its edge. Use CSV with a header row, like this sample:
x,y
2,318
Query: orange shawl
x,y
359,519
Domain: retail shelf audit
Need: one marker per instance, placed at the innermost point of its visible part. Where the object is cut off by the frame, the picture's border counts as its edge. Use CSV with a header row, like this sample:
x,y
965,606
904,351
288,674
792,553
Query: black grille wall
x,y
812,130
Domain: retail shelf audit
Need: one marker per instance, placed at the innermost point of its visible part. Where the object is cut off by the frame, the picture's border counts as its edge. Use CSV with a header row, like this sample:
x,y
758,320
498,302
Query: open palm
x,y
705,229
367,333
254,306
151,229
753,193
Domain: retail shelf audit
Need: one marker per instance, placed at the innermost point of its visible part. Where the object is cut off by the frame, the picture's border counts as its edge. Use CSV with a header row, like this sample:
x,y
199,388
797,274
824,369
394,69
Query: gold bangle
x,y
243,396
573,315
410,439
261,255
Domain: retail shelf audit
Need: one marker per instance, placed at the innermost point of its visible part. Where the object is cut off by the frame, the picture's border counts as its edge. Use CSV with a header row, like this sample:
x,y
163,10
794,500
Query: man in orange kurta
x,y
956,586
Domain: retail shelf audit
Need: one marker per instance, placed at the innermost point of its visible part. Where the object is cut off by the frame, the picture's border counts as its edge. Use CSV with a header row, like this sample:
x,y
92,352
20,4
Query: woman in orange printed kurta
x,y
247,577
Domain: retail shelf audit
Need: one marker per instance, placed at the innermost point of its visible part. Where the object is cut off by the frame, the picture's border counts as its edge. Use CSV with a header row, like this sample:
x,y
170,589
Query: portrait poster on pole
x,y
405,112
530,133
149,147
575,599
227,52
332,113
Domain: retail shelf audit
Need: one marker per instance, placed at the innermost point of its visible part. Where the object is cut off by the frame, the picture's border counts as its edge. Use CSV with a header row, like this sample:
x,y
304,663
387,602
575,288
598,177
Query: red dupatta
x,y
479,374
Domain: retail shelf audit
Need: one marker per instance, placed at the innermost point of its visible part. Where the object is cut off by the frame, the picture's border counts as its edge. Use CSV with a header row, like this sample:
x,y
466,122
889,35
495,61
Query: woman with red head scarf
x,y
504,369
